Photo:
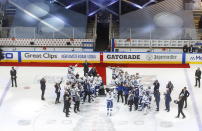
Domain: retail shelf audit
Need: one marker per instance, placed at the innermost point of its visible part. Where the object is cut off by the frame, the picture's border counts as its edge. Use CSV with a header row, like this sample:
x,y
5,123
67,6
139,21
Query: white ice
x,y
23,110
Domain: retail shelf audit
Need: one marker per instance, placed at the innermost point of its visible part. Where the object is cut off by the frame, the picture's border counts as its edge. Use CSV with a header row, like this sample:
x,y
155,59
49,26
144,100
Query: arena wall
x,y
101,60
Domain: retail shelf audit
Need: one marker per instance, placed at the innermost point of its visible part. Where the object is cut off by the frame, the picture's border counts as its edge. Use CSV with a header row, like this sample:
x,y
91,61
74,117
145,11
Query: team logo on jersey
x,y
149,57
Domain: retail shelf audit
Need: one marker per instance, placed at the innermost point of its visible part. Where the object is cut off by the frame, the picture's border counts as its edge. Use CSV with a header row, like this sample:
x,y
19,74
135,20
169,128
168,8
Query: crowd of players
x,y
132,92
127,87
76,89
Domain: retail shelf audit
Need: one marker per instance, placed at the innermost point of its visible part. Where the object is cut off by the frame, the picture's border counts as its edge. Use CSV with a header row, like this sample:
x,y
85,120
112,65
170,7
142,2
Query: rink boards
x,y
102,57
53,57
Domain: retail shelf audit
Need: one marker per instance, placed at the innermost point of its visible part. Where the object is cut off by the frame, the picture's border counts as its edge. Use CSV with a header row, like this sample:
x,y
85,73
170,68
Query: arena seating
x,y
12,44
46,42
130,45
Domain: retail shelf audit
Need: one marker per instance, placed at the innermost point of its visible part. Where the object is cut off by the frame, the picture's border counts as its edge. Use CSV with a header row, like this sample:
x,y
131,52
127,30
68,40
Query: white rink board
x,y
142,57
10,56
194,58
60,57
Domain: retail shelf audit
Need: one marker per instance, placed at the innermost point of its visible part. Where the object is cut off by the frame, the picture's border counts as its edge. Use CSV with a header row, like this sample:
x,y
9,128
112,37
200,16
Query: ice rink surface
x,y
22,110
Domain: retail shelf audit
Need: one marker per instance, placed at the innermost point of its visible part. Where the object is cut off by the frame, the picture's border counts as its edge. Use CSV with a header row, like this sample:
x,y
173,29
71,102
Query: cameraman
x,y
180,103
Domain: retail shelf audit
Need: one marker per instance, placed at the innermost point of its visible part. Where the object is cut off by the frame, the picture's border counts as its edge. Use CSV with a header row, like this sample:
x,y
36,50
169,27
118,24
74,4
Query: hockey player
x,y
114,75
149,93
137,76
92,72
93,86
113,83
120,77
109,98
71,75
67,87
135,82
98,83
92,89
180,103
81,90
141,91
73,91
145,102
126,76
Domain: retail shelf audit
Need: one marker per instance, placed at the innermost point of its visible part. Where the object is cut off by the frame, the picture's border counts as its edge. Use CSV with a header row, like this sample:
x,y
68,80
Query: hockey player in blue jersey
x,y
109,98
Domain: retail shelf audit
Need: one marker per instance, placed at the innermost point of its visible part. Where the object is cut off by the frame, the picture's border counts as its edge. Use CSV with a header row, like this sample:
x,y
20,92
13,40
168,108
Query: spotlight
x,y
69,6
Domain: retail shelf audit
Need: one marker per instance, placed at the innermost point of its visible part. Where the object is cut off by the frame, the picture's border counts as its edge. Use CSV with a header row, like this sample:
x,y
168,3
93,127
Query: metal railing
x,y
34,32
158,33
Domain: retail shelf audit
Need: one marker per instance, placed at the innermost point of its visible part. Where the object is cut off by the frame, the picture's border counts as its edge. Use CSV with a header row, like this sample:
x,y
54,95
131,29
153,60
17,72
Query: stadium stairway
x,y
102,41
197,15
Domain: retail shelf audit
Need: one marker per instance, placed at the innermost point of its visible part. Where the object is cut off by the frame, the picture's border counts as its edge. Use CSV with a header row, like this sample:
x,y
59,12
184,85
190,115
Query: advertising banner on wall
x,y
60,57
10,56
172,58
194,58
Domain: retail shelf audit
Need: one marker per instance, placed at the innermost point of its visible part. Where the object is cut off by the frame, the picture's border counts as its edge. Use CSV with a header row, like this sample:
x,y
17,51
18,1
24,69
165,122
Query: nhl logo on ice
x,y
149,57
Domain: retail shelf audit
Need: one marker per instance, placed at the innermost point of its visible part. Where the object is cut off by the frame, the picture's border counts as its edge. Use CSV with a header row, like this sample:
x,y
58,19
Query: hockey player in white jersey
x,y
67,87
109,98
113,72
149,92
145,102
71,75
98,83
71,69
135,82
137,76
141,91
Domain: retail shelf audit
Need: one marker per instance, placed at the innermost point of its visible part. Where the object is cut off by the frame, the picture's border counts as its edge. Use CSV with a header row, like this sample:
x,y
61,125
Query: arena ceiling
x,y
115,7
